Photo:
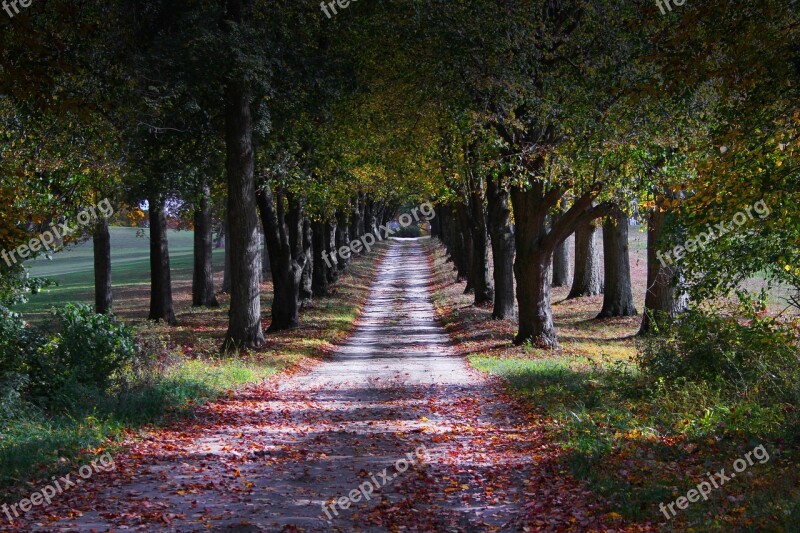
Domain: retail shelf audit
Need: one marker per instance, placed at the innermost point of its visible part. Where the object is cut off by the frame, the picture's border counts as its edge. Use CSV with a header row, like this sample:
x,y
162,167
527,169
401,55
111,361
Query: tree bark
x,y
320,284
535,244
219,242
329,242
502,238
459,252
561,264
244,327
561,261
103,295
203,278
618,295
306,280
369,216
468,247
588,281
265,265
531,268
342,238
283,230
482,282
662,299
161,307
226,277
357,219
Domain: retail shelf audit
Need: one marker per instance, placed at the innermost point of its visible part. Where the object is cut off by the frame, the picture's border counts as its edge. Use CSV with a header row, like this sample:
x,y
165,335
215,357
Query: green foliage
x,y
16,284
90,352
87,356
19,343
757,358
409,232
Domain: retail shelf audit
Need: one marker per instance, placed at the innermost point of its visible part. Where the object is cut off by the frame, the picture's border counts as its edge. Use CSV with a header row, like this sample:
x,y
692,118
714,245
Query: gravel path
x,y
394,416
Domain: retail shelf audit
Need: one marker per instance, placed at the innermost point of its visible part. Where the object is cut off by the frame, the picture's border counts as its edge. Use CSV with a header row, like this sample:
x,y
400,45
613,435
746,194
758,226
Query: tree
x,y
618,295
244,328
203,274
282,218
161,306
587,280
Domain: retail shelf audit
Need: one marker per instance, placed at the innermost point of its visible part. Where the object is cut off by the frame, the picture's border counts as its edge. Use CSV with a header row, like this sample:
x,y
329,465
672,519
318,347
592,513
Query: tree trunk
x,y
531,268
329,243
533,288
502,238
226,275
203,278
357,219
306,280
342,238
459,251
265,265
482,283
244,327
320,282
535,244
618,295
283,231
219,242
662,301
161,307
369,216
468,249
561,263
588,281
101,240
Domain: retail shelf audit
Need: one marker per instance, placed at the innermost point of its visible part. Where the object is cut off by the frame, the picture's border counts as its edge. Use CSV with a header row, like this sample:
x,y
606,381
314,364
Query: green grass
x,y
73,268
36,445
639,446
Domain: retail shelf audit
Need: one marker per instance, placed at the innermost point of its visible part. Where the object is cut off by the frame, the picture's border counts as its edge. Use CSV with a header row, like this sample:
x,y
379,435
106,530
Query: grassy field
x,y
73,270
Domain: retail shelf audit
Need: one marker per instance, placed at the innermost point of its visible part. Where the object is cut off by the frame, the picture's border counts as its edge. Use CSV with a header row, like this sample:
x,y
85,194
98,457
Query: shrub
x,y
757,357
93,348
86,356
19,343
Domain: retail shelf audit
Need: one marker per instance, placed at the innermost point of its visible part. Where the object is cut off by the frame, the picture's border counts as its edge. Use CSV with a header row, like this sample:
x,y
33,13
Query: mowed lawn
x,y
73,270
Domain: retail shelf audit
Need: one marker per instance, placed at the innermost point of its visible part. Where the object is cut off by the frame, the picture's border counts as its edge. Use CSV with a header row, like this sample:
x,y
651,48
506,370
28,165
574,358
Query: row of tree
x,y
525,121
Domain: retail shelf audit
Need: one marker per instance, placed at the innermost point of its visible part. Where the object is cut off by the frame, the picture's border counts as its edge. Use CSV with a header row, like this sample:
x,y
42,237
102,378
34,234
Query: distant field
x,y
73,269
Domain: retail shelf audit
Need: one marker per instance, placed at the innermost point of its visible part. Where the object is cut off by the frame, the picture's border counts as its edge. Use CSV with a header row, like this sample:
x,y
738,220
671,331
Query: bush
x,y
758,357
19,343
85,358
